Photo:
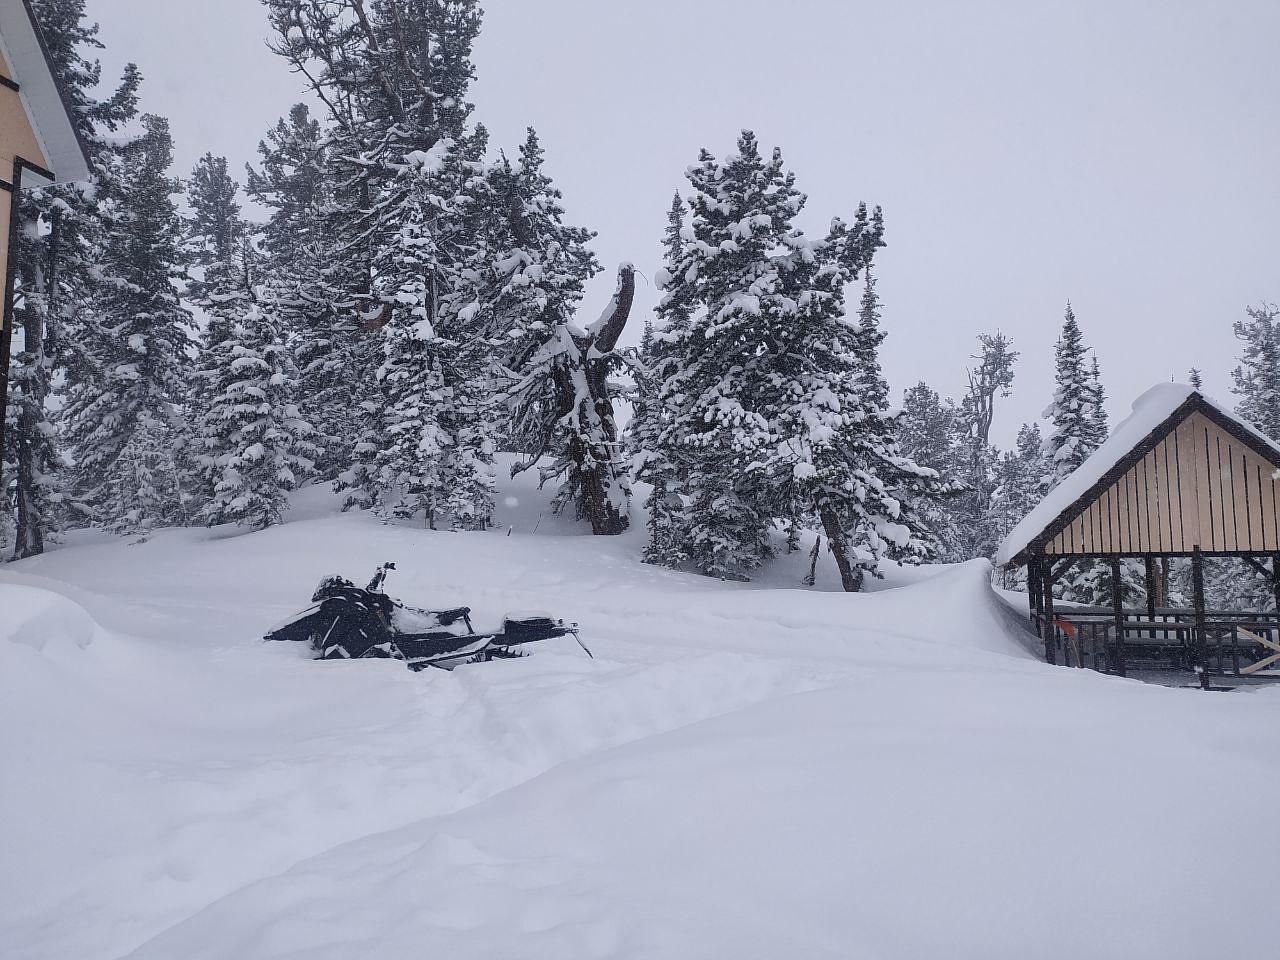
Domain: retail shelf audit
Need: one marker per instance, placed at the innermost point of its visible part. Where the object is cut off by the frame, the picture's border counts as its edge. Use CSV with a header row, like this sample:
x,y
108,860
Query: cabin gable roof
x,y
1096,510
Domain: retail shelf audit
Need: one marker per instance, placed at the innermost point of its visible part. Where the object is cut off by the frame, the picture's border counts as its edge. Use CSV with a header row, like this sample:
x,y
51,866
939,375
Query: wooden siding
x,y
17,139
1198,487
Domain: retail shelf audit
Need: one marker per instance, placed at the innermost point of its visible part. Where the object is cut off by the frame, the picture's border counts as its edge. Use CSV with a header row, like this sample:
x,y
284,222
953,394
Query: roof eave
x,y
42,98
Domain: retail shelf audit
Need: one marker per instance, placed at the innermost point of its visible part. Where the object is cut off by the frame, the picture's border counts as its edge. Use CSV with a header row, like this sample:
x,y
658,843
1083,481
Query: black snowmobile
x,y
347,623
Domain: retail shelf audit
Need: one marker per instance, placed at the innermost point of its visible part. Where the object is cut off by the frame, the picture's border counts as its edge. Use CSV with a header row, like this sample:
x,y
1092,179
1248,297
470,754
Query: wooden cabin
x,y
1181,478
38,144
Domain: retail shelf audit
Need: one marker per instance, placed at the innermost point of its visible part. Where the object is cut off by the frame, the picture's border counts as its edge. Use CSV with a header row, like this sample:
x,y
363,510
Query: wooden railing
x,y
1233,643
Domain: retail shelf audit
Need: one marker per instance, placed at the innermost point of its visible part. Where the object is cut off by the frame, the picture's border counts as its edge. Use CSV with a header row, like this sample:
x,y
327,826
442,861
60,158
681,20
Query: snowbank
x,y
748,770
38,618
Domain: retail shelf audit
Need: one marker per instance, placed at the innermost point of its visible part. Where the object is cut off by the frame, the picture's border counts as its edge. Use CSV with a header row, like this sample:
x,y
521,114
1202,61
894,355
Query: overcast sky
x,y
1123,154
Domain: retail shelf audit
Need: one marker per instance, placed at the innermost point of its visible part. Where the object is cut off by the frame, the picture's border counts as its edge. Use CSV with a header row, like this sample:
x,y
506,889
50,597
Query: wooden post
x,y
1050,641
1275,591
1151,590
1117,609
1199,640
1275,580
1033,590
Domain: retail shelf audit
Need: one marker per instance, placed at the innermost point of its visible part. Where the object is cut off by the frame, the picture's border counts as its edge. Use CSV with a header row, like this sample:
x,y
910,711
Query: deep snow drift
x,y
748,771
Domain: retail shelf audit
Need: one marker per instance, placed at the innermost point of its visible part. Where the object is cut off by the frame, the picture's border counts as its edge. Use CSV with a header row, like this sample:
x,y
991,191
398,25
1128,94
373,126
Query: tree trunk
x,y
595,463
812,576
850,576
35,325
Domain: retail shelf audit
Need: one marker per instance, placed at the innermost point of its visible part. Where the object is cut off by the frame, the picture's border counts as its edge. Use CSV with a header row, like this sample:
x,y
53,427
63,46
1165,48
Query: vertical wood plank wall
x,y
1199,487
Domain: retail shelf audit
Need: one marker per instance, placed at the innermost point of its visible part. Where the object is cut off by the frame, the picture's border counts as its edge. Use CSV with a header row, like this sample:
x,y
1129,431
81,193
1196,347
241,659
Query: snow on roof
x,y
1149,411
48,112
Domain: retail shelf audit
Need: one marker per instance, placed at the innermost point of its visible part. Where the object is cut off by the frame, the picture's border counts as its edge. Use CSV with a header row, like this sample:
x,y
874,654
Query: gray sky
x,y
1124,154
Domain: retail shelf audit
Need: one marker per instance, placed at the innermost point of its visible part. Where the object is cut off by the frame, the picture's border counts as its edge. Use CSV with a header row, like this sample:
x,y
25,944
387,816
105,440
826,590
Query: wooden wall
x,y
1199,487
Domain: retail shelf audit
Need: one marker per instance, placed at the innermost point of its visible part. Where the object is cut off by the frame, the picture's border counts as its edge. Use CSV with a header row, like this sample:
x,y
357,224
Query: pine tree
x,y
1074,414
1234,584
144,331
312,281
773,405
399,156
56,266
650,462
1019,484
1099,428
1256,380
930,434
863,489
1079,427
740,209
254,444
976,528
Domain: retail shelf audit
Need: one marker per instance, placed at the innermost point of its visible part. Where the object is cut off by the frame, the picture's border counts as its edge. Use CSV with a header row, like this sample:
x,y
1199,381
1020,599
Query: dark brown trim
x,y
1177,479
21,163
1139,554
9,82
6,186
1253,562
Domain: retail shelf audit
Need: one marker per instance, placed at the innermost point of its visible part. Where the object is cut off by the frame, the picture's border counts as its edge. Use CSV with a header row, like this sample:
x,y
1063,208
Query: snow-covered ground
x,y
746,771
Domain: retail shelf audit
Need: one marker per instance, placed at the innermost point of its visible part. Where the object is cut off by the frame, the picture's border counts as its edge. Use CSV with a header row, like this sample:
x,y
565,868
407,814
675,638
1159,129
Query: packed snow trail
x,y
742,766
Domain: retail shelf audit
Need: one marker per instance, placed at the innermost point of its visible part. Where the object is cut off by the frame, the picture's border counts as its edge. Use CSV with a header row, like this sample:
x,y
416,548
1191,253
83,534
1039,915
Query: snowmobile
x,y
347,623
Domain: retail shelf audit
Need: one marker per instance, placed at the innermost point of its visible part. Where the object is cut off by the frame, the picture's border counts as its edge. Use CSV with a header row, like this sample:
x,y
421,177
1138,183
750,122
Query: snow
x,y
745,770
1149,411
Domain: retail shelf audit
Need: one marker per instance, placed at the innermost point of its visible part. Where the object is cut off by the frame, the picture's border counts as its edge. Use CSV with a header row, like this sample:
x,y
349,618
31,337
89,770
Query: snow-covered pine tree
x,y
992,377
142,350
1074,421
774,405
1256,380
651,462
1099,427
1019,484
56,265
1078,427
311,280
252,444
420,466
929,434
1233,584
215,244
394,76
741,209
847,462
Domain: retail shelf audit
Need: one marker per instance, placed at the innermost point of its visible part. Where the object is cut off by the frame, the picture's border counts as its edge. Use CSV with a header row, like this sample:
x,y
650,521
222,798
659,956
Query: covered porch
x,y
1243,645
1181,481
